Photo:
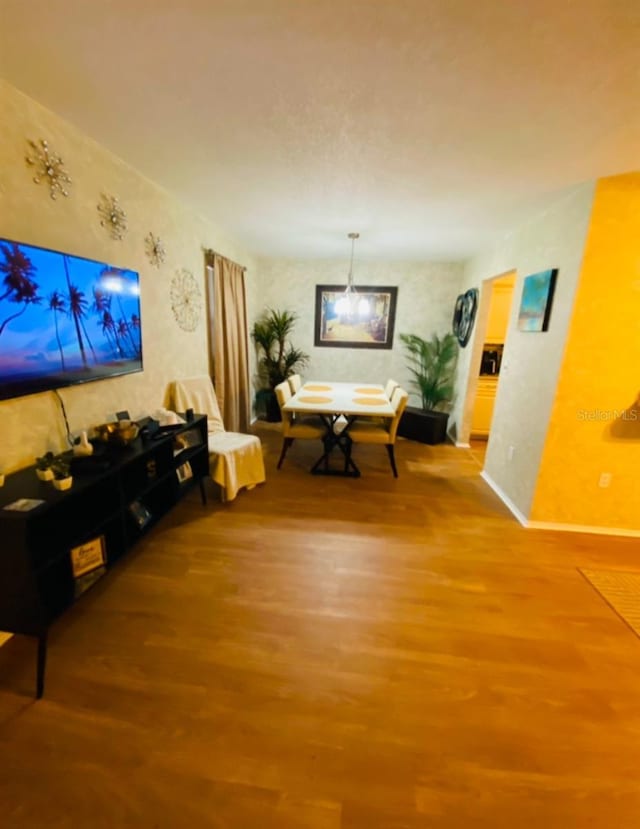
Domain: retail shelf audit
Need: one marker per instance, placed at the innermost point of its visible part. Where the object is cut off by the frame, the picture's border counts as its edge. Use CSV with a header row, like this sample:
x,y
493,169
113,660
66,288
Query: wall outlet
x,y
605,479
511,452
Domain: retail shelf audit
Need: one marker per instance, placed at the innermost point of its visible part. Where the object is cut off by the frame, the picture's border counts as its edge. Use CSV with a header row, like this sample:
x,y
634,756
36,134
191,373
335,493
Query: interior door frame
x,y
477,345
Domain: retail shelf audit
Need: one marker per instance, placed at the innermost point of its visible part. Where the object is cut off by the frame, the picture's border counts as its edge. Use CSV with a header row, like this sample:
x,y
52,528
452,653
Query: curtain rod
x,y
212,253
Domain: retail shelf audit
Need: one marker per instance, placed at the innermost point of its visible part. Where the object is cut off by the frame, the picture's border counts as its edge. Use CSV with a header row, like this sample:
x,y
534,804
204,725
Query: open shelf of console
x,y
56,545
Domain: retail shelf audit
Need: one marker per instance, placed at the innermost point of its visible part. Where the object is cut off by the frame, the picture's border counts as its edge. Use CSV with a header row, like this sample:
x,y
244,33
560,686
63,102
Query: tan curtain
x,y
228,342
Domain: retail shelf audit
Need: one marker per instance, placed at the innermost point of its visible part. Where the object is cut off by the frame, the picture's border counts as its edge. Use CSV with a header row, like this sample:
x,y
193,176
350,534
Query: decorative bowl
x,y
118,432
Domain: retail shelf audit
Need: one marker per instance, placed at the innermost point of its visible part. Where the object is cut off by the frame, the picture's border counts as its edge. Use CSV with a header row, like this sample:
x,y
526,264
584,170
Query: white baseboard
x,y
582,528
504,498
460,445
552,525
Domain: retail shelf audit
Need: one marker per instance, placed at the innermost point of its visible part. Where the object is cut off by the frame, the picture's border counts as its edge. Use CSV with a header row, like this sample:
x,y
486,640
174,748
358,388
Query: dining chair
x,y
303,428
389,389
363,432
295,383
391,386
235,459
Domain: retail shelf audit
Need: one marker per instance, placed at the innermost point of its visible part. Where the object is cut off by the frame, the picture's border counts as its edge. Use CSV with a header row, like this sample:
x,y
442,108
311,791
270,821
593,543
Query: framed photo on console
x,y
364,318
184,472
87,557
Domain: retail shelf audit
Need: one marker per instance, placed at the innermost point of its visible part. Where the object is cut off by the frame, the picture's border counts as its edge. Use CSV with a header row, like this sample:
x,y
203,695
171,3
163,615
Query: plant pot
x,y
267,407
63,483
45,474
424,426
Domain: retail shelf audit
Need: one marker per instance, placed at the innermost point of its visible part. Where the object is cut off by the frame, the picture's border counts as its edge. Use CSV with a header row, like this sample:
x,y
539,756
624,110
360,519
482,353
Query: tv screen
x,y
64,320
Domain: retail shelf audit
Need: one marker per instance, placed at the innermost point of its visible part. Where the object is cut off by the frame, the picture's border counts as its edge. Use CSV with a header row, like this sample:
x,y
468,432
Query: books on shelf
x,y
83,583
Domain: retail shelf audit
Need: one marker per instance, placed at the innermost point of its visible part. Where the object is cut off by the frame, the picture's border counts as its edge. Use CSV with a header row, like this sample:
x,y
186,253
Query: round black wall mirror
x,y
464,315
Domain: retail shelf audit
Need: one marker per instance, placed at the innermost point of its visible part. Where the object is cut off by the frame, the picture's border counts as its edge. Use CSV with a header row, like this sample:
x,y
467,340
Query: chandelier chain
x,y
353,237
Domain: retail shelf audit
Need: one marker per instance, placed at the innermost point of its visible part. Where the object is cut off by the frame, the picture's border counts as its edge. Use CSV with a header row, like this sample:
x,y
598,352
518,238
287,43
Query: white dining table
x,y
339,405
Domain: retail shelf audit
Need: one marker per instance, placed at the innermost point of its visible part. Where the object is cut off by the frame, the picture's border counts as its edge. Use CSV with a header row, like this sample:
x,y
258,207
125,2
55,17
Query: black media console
x,y
55,545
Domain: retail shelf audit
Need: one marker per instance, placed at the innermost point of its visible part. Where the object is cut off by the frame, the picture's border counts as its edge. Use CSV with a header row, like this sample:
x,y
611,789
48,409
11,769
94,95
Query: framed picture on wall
x,y
535,304
364,319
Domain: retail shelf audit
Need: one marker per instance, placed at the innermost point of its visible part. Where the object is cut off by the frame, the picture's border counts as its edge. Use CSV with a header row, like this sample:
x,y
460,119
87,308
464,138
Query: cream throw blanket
x,y
236,459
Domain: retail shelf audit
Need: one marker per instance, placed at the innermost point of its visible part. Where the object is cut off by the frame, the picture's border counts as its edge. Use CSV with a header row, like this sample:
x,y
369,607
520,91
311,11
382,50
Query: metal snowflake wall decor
x,y
186,300
49,168
154,249
113,216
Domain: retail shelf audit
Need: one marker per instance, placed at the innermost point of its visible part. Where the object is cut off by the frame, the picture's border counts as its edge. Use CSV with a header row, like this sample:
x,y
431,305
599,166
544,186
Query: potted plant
x,y
432,363
61,472
277,359
43,466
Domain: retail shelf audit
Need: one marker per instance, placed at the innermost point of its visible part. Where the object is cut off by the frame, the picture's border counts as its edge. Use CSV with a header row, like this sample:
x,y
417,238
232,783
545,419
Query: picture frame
x,y
184,472
88,556
536,300
366,319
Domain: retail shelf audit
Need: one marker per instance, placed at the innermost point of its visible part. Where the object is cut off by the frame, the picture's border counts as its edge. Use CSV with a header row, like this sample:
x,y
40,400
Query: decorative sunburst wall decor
x,y
49,168
154,249
186,300
113,216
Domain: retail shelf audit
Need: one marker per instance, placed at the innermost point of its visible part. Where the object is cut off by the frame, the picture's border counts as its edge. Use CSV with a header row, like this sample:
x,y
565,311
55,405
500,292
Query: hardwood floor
x,y
326,652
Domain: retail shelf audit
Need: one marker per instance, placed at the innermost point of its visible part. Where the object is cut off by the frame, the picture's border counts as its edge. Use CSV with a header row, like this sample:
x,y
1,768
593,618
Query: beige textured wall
x,y
34,424
426,297
531,362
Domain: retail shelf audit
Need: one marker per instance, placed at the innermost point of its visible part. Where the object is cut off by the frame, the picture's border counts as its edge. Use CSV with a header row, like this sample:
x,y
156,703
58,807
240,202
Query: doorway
x,y
497,297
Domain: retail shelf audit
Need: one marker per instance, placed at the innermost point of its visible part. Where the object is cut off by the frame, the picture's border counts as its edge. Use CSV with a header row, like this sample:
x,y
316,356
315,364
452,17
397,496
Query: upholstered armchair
x,y
236,459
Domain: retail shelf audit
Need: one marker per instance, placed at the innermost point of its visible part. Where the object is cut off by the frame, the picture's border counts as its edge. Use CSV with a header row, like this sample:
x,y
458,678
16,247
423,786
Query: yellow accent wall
x,y
594,427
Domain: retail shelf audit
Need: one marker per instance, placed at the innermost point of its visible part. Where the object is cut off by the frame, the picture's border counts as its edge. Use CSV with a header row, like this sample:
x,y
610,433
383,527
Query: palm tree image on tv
x,y
20,287
64,319
57,306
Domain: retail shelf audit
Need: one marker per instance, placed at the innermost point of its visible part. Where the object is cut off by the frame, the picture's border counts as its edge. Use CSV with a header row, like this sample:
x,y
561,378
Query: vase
x,y
45,474
63,483
83,447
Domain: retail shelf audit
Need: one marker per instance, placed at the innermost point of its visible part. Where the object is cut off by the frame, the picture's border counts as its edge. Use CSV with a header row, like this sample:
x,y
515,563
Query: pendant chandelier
x,y
350,304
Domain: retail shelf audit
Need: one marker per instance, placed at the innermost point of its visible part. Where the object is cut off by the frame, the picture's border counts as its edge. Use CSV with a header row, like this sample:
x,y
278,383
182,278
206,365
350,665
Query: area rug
x,y
621,591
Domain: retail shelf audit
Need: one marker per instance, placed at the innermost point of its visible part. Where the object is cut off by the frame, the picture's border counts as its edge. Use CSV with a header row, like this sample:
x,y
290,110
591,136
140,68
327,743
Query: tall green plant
x,y
432,364
279,358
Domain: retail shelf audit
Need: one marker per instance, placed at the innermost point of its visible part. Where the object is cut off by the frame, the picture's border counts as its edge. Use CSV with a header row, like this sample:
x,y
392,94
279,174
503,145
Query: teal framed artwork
x,y
535,304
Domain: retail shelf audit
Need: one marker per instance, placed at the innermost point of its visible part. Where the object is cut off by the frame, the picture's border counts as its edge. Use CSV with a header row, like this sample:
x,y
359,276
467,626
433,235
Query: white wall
x,y
426,298
531,362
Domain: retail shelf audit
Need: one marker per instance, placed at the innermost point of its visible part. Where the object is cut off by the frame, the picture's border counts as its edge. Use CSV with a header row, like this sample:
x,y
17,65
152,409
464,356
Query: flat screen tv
x,y
64,320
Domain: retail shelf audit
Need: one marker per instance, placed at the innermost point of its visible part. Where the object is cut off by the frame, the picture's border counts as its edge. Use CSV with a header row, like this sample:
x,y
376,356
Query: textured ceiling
x,y
429,126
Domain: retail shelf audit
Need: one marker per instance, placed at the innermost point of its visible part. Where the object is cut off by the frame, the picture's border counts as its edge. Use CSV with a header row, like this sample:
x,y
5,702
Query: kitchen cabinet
x,y
499,311
483,407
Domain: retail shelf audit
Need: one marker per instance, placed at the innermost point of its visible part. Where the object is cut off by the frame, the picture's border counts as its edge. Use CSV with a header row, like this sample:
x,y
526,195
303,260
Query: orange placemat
x,y
369,401
312,387
369,391
310,398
